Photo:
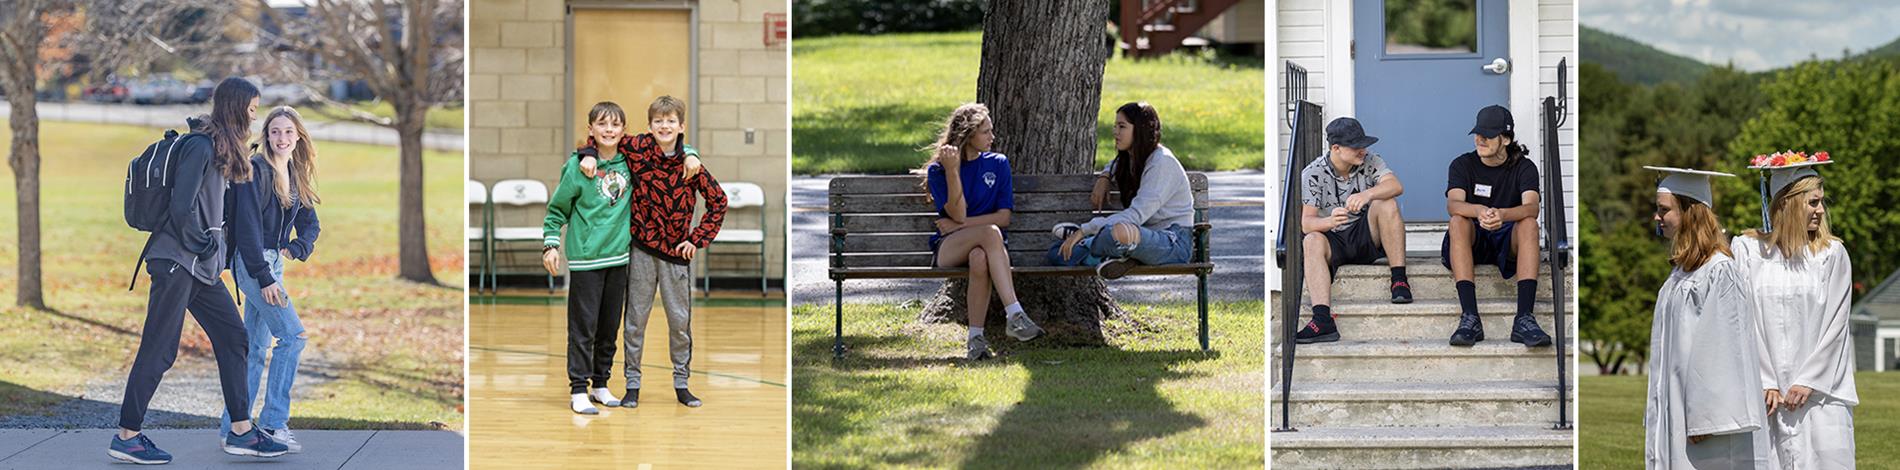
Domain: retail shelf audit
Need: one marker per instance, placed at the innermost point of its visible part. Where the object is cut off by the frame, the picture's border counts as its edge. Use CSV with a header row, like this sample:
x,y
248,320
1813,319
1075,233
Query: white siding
x,y
1302,32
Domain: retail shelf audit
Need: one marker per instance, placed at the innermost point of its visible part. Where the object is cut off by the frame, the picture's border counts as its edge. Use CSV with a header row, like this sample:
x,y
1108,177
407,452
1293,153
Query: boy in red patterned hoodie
x,y
665,240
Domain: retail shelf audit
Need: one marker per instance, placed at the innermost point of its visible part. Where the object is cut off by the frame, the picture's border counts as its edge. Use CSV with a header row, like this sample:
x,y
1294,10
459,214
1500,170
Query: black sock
x,y
633,395
1323,314
1468,297
685,397
1398,274
1526,296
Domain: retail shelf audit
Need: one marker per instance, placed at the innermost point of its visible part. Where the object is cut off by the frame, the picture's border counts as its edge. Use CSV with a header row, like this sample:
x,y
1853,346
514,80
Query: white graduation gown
x,y
1802,306
1703,375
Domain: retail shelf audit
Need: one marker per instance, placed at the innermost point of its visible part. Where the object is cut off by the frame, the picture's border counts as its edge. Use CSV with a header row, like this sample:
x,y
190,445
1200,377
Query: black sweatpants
x,y
174,291
595,300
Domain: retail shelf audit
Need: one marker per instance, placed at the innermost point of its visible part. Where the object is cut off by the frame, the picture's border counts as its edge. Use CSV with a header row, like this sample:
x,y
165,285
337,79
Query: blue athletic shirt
x,y
986,187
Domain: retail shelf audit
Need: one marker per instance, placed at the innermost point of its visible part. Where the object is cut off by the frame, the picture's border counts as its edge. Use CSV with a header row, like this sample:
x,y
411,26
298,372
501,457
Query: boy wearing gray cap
x,y
1348,216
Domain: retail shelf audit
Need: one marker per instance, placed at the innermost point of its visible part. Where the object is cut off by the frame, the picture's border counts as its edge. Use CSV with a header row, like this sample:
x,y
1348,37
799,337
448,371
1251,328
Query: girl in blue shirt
x,y
972,192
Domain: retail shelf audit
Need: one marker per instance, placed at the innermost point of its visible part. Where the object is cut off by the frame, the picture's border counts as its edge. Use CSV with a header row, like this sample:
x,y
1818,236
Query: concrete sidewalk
x,y
173,117
1237,248
197,448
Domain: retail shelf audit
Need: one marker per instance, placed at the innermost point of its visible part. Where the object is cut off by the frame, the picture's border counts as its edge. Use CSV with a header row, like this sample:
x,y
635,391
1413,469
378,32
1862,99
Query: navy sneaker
x,y
254,444
139,450
1470,331
1524,331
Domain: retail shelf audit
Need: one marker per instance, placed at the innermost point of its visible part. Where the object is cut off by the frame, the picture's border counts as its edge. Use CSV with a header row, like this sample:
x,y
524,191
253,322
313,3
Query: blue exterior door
x,y
1421,71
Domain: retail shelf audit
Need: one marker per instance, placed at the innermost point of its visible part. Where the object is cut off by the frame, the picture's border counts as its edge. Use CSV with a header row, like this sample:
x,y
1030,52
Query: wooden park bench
x,y
881,226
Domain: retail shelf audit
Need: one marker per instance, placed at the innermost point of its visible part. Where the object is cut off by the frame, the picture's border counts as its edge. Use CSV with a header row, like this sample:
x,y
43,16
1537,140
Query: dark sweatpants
x,y
594,301
173,292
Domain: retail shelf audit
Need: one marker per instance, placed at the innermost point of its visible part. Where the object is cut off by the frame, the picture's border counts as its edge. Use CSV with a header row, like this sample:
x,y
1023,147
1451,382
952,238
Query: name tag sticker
x,y
1482,190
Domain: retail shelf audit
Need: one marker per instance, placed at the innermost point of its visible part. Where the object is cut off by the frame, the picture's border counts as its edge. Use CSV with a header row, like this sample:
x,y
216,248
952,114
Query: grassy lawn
x,y
904,397
392,349
865,104
1610,421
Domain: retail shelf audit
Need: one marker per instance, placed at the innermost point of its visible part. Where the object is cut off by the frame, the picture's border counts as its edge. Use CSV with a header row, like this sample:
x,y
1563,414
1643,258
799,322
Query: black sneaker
x,y
1401,292
631,399
1320,329
1524,331
1470,331
1115,268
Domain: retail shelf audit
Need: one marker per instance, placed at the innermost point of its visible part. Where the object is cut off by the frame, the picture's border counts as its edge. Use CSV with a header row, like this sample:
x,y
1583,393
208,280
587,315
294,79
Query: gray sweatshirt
x,y
194,237
1165,198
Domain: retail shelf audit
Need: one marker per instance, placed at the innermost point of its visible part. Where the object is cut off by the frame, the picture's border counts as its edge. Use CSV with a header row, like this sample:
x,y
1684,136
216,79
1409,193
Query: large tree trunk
x,y
413,247
22,36
1041,77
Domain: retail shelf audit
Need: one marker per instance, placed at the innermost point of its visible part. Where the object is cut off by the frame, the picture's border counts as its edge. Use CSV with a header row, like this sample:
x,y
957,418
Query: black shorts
x,y
1487,247
1352,246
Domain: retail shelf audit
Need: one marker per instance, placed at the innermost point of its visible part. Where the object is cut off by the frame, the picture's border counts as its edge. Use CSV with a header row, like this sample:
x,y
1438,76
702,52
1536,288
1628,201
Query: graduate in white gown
x,y
1705,409
1801,279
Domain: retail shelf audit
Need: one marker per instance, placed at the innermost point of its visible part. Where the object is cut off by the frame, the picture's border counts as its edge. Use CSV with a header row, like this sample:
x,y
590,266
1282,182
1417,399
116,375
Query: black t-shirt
x,y
1499,187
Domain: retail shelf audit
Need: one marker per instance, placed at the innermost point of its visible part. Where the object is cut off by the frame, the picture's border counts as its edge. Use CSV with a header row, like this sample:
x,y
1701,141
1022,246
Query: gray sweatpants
x,y
675,284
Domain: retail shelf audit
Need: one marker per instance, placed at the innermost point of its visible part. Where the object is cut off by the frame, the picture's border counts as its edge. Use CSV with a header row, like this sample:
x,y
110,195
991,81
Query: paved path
x,y
1238,244
197,448
173,116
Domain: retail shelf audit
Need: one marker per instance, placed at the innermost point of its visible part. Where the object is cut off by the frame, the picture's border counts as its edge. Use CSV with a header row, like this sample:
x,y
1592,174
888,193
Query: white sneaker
x,y
979,348
283,436
580,405
603,397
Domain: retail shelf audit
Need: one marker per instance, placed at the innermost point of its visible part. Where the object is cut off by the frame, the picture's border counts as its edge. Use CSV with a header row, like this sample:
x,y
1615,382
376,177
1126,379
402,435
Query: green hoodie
x,y
597,213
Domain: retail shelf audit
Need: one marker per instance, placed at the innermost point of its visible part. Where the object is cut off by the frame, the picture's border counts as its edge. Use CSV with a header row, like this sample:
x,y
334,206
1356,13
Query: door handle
x,y
1498,66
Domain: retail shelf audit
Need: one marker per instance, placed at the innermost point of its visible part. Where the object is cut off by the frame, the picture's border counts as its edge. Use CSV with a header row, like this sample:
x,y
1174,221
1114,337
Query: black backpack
x,y
148,188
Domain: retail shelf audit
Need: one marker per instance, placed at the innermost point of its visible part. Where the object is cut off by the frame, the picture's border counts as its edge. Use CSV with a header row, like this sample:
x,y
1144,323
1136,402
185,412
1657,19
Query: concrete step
x,y
1385,404
1421,361
1422,320
1430,280
1410,448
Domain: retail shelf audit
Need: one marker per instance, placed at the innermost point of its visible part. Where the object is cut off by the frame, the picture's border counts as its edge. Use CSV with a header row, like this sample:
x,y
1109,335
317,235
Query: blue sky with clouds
x,y
1755,35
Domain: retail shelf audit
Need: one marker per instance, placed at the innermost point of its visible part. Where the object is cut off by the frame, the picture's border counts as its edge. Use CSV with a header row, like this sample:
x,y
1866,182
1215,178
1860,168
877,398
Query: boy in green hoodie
x,y
595,211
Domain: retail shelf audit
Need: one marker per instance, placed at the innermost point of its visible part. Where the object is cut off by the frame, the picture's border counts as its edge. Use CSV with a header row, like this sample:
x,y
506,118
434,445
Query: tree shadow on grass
x,y
1073,411
1070,416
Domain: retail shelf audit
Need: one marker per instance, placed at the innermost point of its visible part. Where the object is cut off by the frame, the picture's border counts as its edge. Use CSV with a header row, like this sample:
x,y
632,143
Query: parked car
x,y
201,92
112,90
160,90
283,94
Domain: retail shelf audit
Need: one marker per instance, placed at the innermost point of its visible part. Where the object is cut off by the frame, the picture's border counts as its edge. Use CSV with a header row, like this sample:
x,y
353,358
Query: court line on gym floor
x,y
643,365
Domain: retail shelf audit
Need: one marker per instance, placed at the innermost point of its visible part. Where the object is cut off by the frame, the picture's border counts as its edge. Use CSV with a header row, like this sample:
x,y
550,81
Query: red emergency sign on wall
x,y
774,29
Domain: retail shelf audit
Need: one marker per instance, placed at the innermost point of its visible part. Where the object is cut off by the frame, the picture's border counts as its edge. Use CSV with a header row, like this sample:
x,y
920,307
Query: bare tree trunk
x,y
412,231
21,37
1041,77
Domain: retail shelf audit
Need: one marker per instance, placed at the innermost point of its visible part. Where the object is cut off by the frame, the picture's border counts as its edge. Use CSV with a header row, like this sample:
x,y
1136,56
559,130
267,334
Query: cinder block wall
x,y
517,105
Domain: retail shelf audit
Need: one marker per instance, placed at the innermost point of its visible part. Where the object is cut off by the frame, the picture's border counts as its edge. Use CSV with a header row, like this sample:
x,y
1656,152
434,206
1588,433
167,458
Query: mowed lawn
x,y
1610,421
904,396
867,104
392,350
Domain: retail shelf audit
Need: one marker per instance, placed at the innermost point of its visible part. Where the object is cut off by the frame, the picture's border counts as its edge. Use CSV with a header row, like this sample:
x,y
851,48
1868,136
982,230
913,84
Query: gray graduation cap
x,y
1686,182
1778,178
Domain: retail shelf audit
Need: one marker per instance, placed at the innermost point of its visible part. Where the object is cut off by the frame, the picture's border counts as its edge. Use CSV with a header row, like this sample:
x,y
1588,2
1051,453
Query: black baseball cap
x,y
1494,120
1346,131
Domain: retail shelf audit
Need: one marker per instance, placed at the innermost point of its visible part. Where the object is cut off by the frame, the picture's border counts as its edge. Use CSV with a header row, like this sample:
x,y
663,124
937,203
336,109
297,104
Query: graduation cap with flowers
x,y
1781,169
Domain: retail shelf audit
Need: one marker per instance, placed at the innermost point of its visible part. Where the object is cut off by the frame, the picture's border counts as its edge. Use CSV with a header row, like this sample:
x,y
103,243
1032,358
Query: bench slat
x,y
859,224
1018,258
903,242
943,273
918,203
908,184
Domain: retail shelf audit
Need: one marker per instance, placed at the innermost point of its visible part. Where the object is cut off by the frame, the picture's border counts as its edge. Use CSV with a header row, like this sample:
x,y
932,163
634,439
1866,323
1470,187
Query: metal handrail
x,y
1304,117
1556,226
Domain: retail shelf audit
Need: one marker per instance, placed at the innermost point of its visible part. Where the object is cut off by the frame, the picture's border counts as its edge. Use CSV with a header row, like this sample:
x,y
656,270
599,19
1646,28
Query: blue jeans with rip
x,y
264,322
1173,245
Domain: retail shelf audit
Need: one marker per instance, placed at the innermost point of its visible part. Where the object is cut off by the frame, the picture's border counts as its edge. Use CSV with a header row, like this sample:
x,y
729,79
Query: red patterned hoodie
x,y
663,199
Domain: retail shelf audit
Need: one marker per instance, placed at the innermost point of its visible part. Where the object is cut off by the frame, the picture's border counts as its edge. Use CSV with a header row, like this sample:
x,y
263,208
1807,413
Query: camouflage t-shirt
x,y
1323,189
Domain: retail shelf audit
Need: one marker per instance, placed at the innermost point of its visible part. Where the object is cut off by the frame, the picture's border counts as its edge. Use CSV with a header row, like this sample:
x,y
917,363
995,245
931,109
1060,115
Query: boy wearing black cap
x,y
1491,194
1349,217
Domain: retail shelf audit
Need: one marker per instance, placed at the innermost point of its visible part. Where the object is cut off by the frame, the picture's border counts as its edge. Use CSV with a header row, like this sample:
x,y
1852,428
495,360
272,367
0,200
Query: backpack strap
x,y
141,263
